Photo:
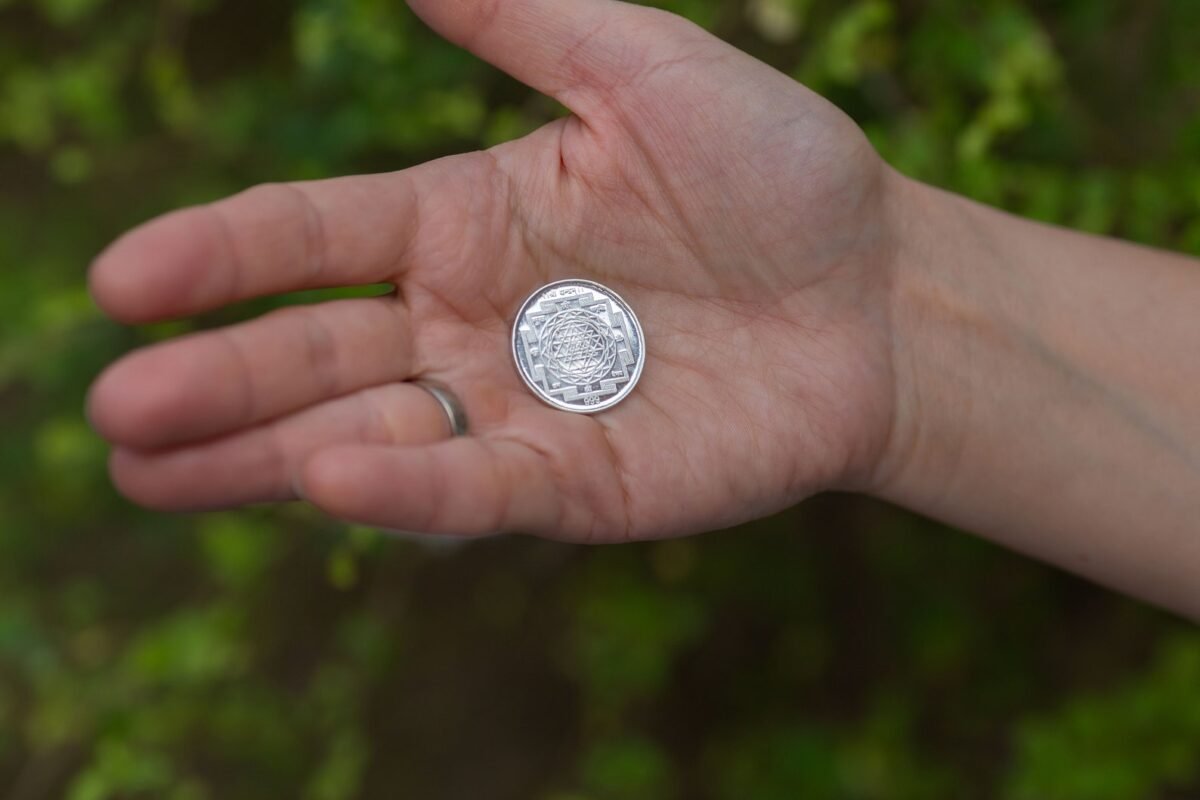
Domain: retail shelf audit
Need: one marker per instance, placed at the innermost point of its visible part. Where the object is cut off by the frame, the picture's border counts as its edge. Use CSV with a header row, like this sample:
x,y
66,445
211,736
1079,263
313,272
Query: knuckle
x,y
322,356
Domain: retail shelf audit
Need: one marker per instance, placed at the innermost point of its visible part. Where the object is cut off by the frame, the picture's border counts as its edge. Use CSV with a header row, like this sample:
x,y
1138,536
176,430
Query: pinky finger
x,y
467,487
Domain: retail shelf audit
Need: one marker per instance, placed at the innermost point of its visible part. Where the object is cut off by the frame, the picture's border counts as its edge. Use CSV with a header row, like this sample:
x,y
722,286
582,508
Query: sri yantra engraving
x,y
577,347
580,347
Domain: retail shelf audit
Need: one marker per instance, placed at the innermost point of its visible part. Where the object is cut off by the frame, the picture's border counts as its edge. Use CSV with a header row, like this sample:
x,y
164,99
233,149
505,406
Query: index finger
x,y
272,239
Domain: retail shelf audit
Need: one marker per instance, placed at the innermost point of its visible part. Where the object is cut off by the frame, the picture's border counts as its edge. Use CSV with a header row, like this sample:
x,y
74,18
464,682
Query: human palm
x,y
746,221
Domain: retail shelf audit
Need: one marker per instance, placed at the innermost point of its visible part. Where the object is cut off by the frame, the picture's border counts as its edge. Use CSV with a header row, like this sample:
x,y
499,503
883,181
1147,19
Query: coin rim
x,y
639,363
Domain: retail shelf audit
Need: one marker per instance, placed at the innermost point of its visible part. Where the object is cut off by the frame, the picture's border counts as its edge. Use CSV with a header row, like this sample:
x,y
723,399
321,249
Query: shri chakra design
x,y
577,347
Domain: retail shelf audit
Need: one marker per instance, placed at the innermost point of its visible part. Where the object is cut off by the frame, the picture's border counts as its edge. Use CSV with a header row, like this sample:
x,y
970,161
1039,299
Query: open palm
x,y
745,220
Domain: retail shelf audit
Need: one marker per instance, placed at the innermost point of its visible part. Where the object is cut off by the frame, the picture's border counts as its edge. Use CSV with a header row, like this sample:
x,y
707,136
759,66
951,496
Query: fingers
x,y
574,50
260,465
468,486
272,239
217,382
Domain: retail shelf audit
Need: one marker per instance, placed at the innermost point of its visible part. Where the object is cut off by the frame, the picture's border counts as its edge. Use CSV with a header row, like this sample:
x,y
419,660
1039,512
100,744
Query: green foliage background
x,y
843,650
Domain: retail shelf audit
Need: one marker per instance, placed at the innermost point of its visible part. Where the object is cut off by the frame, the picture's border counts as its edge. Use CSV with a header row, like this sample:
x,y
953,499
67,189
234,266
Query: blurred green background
x,y
842,650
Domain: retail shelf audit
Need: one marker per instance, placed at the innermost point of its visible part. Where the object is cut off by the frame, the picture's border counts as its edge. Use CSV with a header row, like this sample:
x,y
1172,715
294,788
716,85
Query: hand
x,y
746,220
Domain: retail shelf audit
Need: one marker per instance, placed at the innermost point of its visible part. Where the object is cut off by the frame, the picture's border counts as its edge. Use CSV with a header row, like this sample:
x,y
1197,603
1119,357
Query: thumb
x,y
577,51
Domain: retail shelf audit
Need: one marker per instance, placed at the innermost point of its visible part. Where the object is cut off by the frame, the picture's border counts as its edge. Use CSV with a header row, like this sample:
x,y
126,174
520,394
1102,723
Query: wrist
x,y
1045,392
947,309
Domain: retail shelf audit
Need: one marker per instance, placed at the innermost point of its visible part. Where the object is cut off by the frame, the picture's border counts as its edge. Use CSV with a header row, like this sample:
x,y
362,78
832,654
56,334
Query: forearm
x,y
1048,394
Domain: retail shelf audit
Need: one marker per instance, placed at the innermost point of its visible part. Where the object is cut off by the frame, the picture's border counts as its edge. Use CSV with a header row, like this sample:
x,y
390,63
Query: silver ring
x,y
456,415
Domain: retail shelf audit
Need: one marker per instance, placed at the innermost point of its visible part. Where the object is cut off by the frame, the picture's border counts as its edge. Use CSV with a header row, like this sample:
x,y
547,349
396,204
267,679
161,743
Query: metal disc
x,y
578,346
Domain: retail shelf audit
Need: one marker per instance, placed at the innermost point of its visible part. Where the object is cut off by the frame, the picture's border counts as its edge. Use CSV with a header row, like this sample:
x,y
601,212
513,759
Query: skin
x,y
814,321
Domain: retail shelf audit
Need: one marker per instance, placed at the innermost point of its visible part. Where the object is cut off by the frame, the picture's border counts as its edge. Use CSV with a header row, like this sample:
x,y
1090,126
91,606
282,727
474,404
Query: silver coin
x,y
578,346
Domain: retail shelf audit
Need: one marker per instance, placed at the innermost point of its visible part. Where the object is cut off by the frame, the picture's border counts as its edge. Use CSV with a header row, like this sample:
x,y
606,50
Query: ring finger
x,y
259,465
213,383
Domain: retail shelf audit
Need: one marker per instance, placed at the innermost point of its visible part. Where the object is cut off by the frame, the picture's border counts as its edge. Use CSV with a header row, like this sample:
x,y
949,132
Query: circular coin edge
x,y
639,362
